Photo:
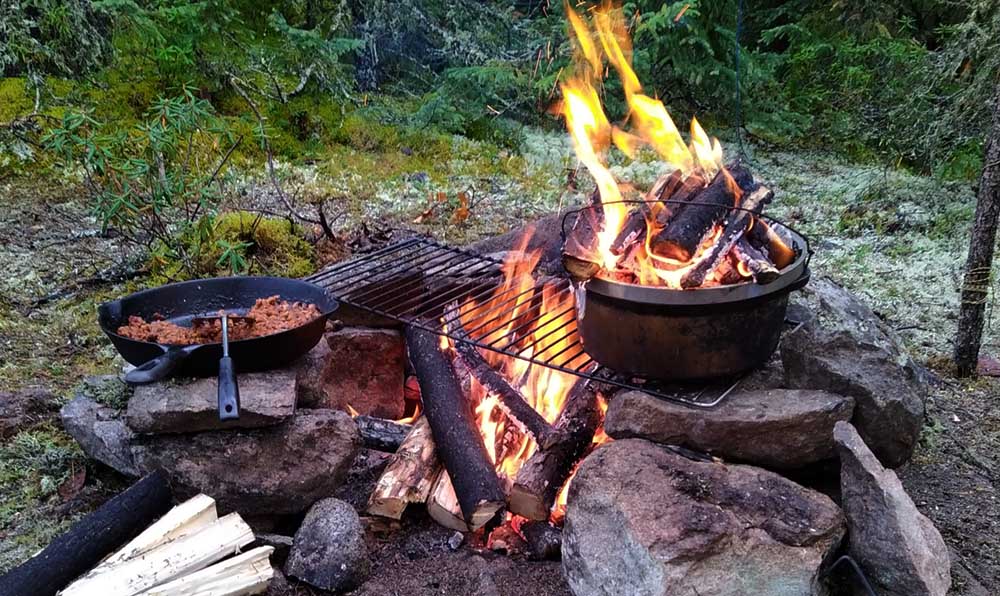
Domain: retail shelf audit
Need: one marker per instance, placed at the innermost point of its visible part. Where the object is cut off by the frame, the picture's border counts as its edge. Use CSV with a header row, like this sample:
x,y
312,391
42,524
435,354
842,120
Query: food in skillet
x,y
268,315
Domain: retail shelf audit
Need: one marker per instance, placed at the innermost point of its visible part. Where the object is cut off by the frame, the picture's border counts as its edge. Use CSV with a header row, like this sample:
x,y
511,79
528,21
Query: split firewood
x,y
543,474
766,240
168,561
762,270
686,230
633,230
443,507
578,256
409,475
677,192
90,539
737,223
381,434
453,426
248,573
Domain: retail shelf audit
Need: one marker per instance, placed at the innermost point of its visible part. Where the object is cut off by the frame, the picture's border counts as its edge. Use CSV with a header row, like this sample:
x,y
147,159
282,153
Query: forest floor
x,y
895,238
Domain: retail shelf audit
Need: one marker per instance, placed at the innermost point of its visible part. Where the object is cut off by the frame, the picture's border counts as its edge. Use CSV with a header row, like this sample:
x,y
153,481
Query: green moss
x,y
15,100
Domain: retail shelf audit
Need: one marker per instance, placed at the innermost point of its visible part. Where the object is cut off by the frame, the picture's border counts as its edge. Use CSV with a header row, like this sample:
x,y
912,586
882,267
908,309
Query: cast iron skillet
x,y
181,302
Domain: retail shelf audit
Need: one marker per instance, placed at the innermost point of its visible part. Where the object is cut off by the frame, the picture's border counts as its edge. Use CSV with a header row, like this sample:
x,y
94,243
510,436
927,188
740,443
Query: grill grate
x,y
419,282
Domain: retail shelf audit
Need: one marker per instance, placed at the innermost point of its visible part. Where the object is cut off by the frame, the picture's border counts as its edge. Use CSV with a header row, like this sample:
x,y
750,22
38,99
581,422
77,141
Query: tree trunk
x,y
975,288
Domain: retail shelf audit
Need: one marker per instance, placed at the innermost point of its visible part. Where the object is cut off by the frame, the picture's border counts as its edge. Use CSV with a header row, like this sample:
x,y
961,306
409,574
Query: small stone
x,y
275,470
778,428
456,540
266,399
101,433
843,347
329,549
355,366
899,549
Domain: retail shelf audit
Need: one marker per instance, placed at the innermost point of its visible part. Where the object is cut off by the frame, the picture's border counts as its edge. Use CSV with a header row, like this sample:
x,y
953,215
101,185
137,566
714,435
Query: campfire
x,y
698,225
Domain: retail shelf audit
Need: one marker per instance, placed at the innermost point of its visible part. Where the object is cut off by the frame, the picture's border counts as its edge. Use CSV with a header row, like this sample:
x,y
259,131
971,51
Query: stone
x,y
644,521
22,409
779,428
189,405
358,367
281,544
280,469
101,433
329,549
843,347
900,550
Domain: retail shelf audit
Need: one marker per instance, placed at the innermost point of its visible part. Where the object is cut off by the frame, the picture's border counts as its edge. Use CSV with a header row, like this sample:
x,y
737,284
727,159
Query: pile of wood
x,y
189,551
687,222
443,462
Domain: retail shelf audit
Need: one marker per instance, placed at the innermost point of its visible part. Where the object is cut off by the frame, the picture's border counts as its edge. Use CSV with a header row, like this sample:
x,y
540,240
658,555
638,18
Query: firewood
x,y
453,426
678,192
409,475
765,239
543,474
579,258
686,230
513,404
737,223
443,507
544,540
763,271
168,561
90,539
381,434
248,573
633,230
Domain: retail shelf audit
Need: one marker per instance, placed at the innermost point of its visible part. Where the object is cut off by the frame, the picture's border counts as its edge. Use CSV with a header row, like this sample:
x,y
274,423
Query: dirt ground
x,y
57,266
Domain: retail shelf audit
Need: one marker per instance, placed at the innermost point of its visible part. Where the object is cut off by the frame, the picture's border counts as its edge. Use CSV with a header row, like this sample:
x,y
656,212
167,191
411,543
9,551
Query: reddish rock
x,y
356,366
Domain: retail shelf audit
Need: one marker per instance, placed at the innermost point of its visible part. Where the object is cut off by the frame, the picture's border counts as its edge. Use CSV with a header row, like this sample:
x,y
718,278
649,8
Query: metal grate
x,y
420,282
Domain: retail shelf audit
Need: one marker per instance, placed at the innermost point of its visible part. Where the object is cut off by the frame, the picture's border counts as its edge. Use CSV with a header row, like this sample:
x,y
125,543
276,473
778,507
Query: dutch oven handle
x,y
160,367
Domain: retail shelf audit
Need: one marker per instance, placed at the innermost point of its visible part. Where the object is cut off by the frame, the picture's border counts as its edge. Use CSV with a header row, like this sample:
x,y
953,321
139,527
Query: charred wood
x,y
381,434
544,540
633,230
453,426
762,270
765,239
543,474
676,193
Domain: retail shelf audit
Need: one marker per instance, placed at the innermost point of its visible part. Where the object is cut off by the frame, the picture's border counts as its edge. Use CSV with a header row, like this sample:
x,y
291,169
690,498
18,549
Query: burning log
x,y
766,240
409,476
544,540
761,269
543,474
686,230
633,230
737,223
678,192
453,426
519,411
578,256
381,434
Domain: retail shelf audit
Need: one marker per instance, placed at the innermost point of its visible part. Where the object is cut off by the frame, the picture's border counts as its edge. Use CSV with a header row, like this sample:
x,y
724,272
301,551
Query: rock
x,y
843,347
900,550
274,470
279,586
101,433
361,477
281,544
355,366
329,549
643,521
24,408
266,399
780,428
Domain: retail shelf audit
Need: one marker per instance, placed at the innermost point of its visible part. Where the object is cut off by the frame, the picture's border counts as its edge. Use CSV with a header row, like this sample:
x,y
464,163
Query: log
x,y
762,237
738,222
579,258
443,507
762,270
381,434
684,233
409,475
169,561
90,539
544,540
678,192
543,474
453,426
518,411
248,573
633,230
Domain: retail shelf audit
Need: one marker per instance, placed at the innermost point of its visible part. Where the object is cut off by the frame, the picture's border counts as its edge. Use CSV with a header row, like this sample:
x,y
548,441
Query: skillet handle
x,y
229,390
160,367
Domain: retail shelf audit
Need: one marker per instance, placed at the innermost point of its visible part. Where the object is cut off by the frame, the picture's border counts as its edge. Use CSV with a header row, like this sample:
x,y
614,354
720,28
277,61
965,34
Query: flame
x,y
354,413
592,135
600,438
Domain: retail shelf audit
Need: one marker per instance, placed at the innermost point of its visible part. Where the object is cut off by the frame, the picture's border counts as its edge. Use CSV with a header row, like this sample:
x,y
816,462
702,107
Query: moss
x,y
15,100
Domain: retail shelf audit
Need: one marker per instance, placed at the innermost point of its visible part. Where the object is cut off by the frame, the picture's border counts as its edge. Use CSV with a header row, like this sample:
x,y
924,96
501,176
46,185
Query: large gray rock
x,y
189,405
644,521
843,347
329,549
780,428
275,470
101,433
898,547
